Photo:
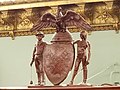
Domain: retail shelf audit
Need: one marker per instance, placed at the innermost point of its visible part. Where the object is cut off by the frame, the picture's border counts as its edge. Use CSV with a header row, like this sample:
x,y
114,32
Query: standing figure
x,y
38,57
82,46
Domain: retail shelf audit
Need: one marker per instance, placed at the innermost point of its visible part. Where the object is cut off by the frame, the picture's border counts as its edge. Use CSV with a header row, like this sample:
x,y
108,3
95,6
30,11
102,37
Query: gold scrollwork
x,y
102,15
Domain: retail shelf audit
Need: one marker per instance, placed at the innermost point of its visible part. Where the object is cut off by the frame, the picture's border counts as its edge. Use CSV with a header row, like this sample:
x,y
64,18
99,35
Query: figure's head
x,y
83,35
40,35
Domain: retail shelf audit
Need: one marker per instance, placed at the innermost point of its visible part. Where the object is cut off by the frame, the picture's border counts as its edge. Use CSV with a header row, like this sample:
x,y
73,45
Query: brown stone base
x,y
73,87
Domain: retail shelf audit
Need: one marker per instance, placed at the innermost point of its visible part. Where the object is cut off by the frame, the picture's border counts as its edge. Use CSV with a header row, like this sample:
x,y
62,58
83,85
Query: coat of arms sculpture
x,y
58,57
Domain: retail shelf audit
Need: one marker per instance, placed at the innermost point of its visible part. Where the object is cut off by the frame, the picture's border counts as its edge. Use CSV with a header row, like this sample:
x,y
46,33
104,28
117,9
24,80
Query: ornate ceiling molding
x,y
17,21
19,4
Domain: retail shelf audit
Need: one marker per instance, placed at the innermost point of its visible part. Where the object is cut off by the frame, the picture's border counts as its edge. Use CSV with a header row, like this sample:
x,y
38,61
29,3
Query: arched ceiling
x,y
18,16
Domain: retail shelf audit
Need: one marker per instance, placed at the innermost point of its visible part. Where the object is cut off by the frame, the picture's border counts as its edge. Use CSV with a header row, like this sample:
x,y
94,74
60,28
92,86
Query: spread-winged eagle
x,y
60,23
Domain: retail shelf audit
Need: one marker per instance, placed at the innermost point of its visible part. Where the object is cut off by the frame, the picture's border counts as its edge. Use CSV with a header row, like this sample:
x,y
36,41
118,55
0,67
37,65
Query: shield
x,y
58,59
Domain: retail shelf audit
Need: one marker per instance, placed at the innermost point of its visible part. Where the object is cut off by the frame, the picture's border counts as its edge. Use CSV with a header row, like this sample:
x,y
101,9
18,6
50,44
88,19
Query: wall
x,y
15,57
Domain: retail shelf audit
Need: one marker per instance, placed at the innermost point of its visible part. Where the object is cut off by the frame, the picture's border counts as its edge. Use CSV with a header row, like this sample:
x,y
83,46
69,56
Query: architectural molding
x,y
18,18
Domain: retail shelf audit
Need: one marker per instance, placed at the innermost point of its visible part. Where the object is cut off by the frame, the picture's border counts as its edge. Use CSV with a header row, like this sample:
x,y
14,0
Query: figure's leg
x,y
84,70
42,73
38,71
77,64
39,78
43,78
85,75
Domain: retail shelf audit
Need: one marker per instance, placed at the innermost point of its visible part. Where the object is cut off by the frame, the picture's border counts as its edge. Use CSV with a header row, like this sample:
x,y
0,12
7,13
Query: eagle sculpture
x,y
60,22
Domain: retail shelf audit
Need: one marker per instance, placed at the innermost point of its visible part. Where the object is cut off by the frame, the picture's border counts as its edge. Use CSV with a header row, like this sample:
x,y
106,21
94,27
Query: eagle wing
x,y
47,20
73,19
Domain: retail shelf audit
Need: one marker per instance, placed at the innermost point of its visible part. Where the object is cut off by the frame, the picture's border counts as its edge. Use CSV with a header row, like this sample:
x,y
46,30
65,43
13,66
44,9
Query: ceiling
x,y
17,17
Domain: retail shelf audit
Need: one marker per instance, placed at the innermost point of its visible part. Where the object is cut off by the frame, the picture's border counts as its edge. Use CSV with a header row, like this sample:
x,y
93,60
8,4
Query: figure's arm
x,y
75,42
33,58
89,52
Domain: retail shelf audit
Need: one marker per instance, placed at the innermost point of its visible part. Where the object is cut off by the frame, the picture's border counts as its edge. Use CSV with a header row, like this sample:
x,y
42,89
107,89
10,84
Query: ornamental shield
x,y
58,58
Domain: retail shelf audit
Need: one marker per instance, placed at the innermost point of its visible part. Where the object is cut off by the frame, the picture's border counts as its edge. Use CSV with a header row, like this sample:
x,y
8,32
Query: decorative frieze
x,y
101,15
